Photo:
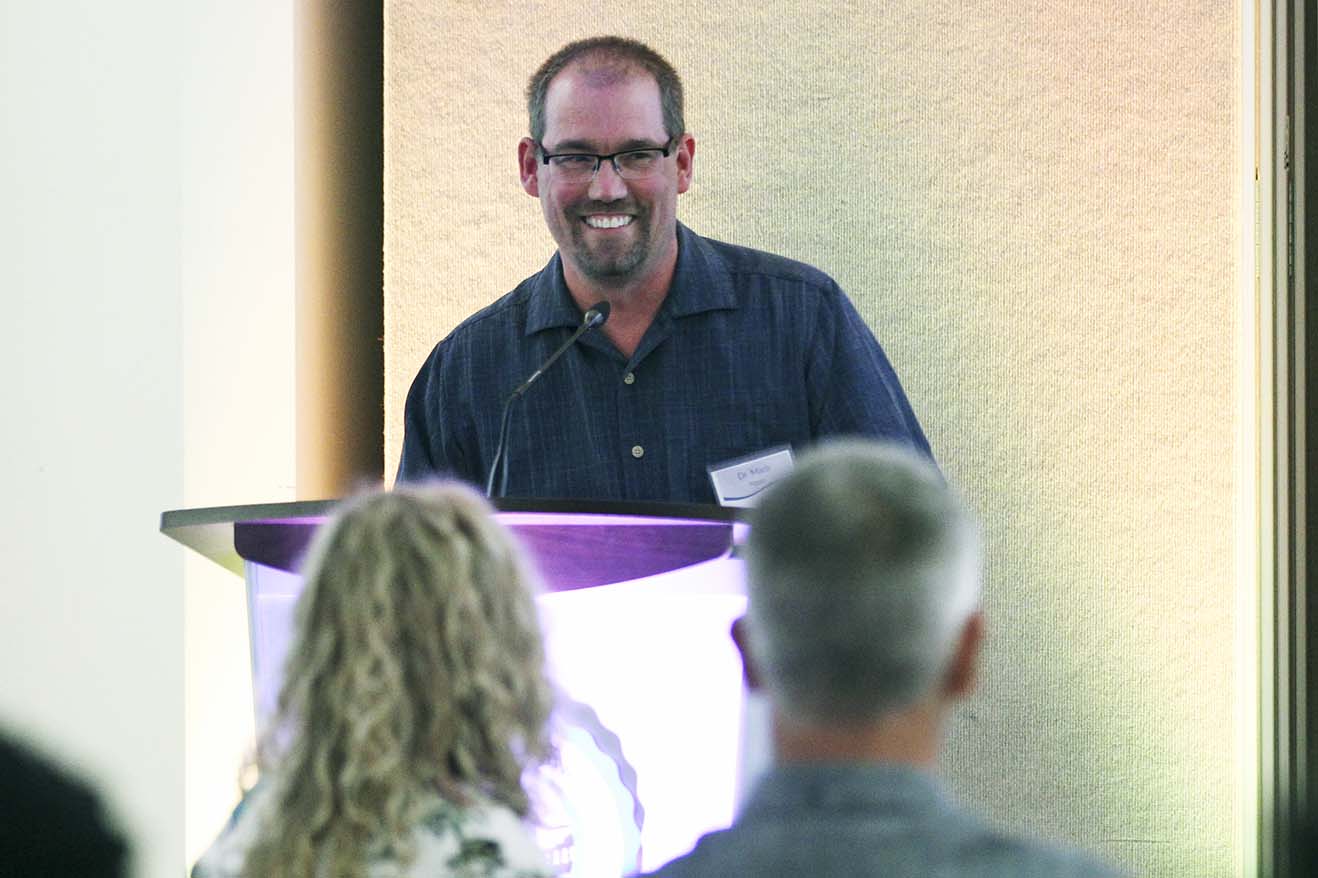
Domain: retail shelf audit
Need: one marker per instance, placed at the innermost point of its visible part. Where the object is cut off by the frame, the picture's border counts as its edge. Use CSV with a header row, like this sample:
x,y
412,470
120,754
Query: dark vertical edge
x,y
1307,275
367,327
1296,665
1283,671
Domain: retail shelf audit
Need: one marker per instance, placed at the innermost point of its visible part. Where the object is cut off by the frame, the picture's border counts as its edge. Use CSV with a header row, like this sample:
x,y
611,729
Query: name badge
x,y
739,482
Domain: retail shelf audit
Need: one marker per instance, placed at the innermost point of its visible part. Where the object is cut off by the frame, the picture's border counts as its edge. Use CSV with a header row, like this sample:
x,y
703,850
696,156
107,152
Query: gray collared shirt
x,y
749,351
849,820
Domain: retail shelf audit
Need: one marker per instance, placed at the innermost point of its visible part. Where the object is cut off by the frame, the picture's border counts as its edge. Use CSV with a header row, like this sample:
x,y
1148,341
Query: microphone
x,y
595,316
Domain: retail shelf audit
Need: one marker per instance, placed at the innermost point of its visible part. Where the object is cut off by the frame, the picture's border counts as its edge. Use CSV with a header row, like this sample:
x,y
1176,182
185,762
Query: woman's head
x,y
416,664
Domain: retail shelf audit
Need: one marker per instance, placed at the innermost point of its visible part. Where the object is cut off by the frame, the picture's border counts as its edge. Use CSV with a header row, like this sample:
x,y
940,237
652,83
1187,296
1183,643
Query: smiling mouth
x,y
607,221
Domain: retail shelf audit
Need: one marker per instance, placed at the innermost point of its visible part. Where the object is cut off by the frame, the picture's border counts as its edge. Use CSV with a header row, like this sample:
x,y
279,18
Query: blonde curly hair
x,y
417,666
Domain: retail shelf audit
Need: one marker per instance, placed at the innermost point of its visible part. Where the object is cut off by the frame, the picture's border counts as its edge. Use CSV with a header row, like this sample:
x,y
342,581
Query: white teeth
x,y
607,222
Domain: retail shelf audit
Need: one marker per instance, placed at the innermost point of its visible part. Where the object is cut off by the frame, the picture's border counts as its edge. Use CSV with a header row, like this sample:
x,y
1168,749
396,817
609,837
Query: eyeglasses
x,y
630,164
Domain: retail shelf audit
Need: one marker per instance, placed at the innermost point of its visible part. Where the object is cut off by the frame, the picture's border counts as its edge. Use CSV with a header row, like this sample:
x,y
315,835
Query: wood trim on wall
x,y
339,179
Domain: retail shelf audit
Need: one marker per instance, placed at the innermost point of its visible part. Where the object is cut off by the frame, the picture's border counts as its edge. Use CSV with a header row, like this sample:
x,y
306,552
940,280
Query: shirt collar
x,y
701,282
832,786
551,304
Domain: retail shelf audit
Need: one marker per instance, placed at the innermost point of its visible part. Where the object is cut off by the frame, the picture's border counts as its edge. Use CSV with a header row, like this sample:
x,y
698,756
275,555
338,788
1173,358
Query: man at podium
x,y
664,353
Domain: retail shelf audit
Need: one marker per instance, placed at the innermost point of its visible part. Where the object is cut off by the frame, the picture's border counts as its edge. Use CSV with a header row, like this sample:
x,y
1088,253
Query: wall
x,y
91,647
339,251
146,271
1035,205
237,218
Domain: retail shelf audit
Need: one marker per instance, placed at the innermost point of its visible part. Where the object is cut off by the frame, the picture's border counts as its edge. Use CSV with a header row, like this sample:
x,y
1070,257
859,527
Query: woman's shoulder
x,y
226,855
479,840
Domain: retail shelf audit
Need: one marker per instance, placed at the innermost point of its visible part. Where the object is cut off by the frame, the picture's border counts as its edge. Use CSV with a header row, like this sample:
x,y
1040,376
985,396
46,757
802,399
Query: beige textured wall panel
x,y
1034,206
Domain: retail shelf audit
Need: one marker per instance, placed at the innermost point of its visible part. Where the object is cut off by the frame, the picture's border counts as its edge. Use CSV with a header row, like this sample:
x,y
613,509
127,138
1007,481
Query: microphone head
x,y
598,313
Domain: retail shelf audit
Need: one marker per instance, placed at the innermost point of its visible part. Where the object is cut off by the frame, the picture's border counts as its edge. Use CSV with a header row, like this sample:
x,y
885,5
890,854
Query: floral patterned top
x,y
482,840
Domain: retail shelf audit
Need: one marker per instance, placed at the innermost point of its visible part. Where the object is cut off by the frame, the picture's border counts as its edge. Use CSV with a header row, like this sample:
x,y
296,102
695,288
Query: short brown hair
x,y
619,52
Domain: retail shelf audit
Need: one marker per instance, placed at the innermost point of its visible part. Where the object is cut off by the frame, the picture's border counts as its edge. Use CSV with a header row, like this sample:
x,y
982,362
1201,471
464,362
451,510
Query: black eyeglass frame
x,y
665,151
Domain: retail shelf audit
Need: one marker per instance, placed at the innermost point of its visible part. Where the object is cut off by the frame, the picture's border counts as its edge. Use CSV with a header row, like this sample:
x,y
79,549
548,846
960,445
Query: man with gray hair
x,y
863,628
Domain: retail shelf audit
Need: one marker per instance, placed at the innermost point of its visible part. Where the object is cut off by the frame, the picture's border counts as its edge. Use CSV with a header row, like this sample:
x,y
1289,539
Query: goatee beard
x,y
613,267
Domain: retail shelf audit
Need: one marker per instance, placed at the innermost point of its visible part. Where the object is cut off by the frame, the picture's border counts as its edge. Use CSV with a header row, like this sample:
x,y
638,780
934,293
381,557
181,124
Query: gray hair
x,y
863,567
618,56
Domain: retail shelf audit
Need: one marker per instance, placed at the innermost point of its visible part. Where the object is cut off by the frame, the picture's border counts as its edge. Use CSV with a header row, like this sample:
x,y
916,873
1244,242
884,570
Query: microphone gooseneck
x,y
594,316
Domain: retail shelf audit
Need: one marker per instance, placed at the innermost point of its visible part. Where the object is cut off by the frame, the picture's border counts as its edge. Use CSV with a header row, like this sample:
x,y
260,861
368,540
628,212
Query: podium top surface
x,y
574,543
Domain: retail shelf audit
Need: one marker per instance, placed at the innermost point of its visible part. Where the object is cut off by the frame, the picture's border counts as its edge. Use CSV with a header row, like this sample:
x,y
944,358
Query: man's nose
x,y
606,185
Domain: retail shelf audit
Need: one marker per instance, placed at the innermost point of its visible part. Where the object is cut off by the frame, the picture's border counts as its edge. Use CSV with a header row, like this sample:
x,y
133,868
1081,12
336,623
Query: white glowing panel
x,y
271,598
654,658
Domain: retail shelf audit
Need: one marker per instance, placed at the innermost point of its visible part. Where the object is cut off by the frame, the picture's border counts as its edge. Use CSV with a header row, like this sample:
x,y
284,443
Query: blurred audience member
x,y
413,699
863,627
52,824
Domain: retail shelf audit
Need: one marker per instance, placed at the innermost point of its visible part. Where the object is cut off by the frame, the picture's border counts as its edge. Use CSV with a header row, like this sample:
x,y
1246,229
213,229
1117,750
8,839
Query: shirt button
x,y
629,378
638,452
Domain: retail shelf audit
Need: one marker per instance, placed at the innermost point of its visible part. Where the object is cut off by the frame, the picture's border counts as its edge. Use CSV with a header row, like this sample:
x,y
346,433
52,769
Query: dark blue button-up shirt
x,y
749,351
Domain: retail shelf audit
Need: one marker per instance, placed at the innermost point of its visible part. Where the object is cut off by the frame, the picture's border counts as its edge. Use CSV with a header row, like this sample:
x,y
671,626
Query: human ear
x,y
686,156
962,674
749,672
528,166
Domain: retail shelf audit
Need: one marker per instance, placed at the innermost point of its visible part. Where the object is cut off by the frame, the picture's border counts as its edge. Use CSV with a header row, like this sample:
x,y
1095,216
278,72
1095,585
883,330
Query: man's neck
x,y
911,736
634,303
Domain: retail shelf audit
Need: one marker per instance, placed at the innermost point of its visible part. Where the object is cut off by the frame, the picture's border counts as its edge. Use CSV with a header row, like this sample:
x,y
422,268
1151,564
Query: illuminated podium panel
x,y
655,744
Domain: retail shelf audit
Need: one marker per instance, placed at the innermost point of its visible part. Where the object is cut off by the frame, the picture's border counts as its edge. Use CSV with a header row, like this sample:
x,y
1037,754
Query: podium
x,y
655,740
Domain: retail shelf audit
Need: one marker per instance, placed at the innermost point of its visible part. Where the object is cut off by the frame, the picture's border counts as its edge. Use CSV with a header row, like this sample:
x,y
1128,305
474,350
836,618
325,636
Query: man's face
x,y
613,231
